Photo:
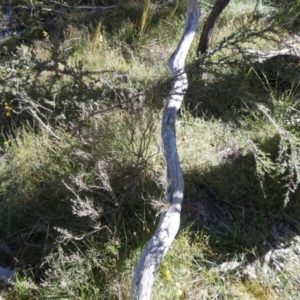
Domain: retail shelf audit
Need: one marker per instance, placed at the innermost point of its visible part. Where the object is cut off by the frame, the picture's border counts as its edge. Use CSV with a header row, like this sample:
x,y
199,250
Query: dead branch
x,y
169,224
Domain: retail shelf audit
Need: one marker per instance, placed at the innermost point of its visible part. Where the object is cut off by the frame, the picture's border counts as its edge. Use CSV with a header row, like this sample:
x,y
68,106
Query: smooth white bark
x,y
169,223
6,274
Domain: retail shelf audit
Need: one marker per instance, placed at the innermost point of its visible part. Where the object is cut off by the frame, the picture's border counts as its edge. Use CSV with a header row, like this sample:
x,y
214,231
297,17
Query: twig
x,y
82,6
34,114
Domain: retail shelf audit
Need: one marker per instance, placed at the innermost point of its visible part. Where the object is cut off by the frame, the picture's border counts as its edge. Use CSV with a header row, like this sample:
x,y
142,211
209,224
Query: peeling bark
x,y
169,223
209,26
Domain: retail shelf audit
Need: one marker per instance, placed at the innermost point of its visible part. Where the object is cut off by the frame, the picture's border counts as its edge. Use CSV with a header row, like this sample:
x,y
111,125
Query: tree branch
x,y
209,25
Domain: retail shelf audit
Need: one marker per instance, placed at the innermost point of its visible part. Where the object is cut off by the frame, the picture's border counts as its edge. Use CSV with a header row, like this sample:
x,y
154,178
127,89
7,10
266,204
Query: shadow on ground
x,y
244,216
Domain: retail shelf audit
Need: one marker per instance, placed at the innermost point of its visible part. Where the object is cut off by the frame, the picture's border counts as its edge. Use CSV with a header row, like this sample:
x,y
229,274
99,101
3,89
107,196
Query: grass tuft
x,y
145,16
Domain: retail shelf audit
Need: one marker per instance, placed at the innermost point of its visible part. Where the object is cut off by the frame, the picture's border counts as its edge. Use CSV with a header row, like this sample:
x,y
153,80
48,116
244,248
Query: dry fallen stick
x,y
265,55
169,223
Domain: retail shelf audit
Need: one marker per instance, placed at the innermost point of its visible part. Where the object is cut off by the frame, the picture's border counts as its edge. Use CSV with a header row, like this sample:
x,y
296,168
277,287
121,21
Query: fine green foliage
x,y
82,175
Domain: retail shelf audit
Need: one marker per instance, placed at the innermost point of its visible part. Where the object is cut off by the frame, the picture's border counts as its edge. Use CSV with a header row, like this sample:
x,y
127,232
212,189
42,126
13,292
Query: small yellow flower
x,y
8,109
45,34
167,275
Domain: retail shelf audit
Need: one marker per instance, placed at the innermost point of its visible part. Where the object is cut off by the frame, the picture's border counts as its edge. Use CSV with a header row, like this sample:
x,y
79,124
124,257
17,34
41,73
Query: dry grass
x,y
145,16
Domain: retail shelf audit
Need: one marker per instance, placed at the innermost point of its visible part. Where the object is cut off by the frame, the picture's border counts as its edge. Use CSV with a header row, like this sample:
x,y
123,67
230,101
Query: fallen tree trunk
x,y
169,223
6,274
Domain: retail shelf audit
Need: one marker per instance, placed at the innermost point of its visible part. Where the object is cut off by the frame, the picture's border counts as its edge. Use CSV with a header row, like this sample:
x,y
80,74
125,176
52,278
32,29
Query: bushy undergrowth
x,y
81,168
73,192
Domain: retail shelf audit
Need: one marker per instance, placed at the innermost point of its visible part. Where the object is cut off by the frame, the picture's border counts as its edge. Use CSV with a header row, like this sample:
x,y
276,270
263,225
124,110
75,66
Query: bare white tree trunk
x,y
6,274
169,223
